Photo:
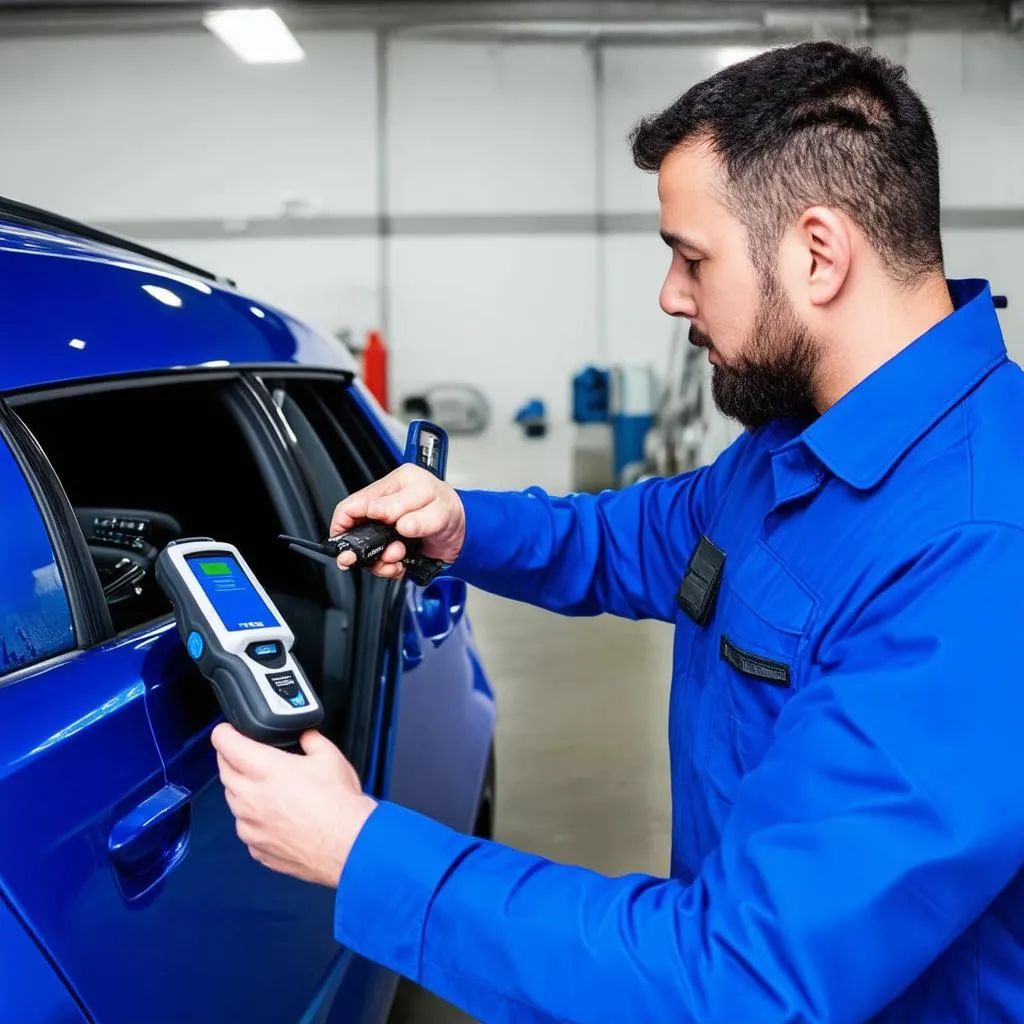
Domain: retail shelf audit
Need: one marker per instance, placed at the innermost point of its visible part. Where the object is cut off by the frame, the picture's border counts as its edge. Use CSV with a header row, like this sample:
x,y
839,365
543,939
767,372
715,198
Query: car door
x,y
80,775
126,852
436,721
259,944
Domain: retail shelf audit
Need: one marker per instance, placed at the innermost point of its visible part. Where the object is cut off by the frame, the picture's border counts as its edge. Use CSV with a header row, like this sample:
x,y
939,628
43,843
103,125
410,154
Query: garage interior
x,y
447,190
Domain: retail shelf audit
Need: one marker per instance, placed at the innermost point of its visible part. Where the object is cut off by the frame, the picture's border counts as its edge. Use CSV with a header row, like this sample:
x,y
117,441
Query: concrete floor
x,y
582,712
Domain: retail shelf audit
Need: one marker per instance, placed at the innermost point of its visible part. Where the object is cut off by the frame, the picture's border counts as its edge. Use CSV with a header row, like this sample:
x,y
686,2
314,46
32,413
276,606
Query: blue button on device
x,y
195,645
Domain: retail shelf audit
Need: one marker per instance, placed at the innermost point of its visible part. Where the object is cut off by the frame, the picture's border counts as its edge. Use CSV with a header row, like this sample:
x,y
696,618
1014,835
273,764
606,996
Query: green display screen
x,y
216,568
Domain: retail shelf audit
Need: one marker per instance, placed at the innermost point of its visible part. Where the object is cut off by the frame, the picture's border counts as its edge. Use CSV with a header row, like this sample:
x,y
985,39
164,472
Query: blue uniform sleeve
x,y
884,818
619,552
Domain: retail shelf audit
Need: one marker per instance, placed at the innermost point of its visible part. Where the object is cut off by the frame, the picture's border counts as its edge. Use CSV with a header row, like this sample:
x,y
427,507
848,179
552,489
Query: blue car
x,y
141,400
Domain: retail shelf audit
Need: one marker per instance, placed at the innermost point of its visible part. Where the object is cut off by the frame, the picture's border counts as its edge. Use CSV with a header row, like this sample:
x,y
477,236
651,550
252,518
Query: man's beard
x,y
773,380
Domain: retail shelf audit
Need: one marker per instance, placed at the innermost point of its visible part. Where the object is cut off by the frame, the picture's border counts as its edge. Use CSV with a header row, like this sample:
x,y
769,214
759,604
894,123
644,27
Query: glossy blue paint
x,y
77,756
427,771
122,860
30,989
83,312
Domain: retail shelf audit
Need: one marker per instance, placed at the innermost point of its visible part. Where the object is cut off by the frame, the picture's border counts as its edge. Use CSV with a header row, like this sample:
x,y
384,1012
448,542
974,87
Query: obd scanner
x,y
238,640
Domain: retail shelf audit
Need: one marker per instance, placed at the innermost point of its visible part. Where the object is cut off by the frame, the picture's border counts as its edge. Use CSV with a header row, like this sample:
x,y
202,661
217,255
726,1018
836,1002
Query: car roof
x,y
78,304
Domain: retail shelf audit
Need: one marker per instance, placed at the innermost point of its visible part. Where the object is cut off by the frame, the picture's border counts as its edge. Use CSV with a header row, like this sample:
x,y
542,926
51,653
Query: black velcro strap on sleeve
x,y
699,588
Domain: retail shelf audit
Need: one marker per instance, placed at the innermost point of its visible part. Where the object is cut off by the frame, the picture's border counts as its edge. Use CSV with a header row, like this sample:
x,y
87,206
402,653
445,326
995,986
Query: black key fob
x,y
368,541
422,570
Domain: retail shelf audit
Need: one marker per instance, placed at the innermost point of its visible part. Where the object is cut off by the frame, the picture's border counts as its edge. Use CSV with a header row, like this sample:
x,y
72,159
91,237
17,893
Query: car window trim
x,y
90,617
49,391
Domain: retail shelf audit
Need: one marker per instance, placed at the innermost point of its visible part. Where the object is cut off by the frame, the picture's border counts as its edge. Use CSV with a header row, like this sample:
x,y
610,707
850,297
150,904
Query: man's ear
x,y
826,239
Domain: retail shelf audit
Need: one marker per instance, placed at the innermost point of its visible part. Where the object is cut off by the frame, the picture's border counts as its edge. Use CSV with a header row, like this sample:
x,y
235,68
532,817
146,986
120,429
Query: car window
x,y
341,450
35,618
145,465
146,462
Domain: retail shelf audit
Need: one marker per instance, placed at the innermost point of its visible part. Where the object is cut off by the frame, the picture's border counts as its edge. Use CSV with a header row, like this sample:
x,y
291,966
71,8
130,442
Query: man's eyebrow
x,y
679,242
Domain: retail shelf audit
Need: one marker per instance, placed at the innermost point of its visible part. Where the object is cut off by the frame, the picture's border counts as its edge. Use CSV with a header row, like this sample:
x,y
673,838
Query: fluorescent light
x,y
257,35
164,295
76,343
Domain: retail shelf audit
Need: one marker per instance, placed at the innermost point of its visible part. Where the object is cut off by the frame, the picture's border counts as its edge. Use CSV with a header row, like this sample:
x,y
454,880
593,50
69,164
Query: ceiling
x,y
610,20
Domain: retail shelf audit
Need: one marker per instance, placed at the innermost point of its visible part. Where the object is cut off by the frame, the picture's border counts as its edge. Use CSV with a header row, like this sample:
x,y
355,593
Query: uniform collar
x,y
867,431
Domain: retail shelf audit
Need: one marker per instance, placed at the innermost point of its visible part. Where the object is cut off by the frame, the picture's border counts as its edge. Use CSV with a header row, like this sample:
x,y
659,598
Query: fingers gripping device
x,y
426,446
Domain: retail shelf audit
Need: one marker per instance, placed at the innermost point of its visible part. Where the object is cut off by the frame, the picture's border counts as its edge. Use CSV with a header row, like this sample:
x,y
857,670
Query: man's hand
x,y
298,815
417,505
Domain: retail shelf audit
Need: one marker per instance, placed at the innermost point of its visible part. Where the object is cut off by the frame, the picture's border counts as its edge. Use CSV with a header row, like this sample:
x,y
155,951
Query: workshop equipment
x,y
238,639
375,368
631,413
459,408
426,445
591,389
532,418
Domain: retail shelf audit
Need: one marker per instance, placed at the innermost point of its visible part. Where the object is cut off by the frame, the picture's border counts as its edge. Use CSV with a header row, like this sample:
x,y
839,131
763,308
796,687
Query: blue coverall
x,y
846,728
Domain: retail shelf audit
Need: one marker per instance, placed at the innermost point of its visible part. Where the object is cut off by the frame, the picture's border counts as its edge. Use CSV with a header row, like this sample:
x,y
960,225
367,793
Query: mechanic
x,y
847,709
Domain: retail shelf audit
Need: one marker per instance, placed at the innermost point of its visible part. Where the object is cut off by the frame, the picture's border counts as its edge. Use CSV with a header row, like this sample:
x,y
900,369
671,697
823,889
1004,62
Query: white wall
x,y
174,127
171,135
492,130
497,132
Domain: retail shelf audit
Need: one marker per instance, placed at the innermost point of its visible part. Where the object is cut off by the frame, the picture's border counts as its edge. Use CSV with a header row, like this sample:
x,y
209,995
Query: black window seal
x,y
90,616
56,390
16,213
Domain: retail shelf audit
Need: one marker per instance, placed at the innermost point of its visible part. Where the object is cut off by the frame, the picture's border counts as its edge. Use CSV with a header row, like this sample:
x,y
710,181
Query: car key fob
x,y
368,541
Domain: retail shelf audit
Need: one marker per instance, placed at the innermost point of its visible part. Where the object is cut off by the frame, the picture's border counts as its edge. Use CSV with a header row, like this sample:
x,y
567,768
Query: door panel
x,y
76,757
30,989
444,711
119,847
260,943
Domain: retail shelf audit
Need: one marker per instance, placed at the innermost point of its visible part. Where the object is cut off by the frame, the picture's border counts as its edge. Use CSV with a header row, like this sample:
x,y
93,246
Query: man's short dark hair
x,y
815,124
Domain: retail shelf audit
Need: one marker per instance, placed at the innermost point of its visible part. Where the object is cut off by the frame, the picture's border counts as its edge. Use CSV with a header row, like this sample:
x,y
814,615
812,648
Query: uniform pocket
x,y
754,665
762,631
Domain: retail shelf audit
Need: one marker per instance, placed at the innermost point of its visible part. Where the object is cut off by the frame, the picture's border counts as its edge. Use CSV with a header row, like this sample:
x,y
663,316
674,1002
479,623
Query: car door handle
x,y
151,838
441,605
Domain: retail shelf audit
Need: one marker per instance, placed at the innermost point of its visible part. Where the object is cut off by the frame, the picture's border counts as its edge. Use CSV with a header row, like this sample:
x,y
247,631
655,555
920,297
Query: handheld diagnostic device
x,y
238,639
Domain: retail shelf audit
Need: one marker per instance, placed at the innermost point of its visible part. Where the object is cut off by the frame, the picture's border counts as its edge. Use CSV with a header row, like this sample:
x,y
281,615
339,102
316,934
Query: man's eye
x,y
693,266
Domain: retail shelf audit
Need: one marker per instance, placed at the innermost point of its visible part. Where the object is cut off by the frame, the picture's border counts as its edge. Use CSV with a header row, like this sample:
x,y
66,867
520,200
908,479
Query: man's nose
x,y
676,299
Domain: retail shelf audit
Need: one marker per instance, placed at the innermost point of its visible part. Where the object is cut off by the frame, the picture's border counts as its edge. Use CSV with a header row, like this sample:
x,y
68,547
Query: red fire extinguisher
x,y
375,368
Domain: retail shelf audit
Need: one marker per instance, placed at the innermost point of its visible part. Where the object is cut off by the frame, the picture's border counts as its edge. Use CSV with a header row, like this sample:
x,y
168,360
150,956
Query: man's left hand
x,y
297,815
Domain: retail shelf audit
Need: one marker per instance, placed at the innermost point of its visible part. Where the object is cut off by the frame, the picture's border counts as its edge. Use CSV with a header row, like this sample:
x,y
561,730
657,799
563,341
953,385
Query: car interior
x,y
144,465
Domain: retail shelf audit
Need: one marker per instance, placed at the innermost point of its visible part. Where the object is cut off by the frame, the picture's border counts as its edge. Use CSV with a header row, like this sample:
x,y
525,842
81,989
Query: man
x,y
847,704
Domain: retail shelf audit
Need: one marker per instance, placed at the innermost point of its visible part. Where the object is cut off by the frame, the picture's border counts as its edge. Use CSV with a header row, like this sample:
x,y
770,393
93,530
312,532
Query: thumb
x,y
316,744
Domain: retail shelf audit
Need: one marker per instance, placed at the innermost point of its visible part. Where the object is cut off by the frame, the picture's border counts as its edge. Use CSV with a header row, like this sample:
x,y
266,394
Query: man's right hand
x,y
417,505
